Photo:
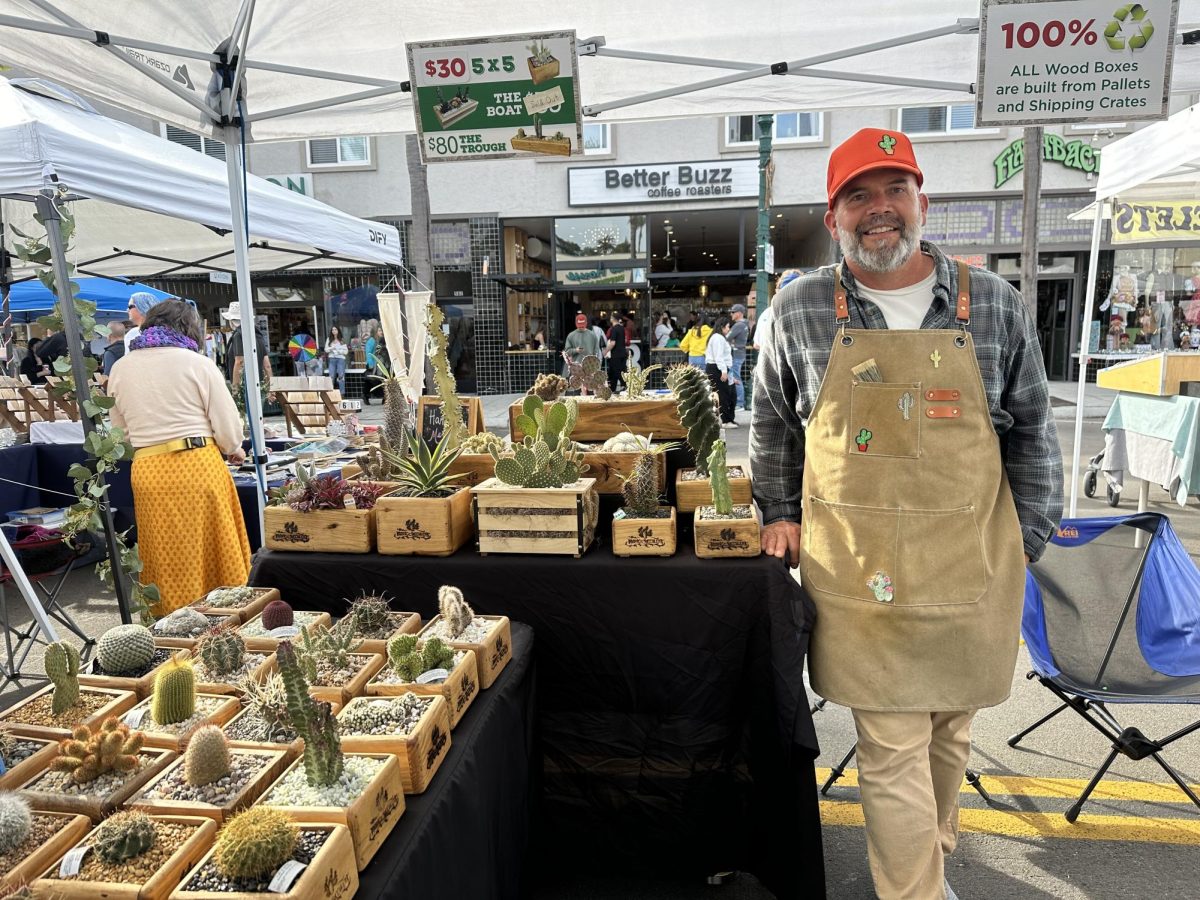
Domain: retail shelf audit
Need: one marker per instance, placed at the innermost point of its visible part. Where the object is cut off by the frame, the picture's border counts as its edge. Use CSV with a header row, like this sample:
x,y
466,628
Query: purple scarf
x,y
162,336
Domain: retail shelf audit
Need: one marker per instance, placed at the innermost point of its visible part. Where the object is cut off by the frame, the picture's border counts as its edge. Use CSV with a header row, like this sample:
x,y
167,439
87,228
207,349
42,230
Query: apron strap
x,y
962,310
841,307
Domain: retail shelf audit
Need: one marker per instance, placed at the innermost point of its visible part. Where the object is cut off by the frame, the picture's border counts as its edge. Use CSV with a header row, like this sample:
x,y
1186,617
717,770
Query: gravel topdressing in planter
x,y
267,640
251,773
97,798
414,728
51,834
215,709
34,716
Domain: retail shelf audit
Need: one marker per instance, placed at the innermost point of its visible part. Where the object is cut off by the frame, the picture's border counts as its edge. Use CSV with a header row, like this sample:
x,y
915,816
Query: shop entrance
x,y
1054,299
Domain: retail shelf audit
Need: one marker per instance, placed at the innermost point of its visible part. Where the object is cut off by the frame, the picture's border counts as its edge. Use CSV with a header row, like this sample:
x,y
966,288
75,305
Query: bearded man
x,y
906,460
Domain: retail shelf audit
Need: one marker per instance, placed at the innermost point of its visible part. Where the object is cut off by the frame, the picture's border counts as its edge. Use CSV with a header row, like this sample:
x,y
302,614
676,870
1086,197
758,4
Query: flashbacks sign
x,y
1049,61
496,98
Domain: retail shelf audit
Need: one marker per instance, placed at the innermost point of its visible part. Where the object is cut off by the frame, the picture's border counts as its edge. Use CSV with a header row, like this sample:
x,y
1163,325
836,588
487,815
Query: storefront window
x,y
1154,297
600,250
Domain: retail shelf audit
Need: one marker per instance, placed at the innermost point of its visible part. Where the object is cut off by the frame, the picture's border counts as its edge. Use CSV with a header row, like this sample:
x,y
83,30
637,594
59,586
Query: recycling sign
x,y
1044,62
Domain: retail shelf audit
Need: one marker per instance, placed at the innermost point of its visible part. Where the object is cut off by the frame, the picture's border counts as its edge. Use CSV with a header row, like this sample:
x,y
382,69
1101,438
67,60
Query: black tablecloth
x,y
467,835
673,716
18,468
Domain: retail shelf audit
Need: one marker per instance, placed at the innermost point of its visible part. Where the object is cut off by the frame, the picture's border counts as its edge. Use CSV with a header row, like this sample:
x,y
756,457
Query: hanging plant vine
x,y
107,445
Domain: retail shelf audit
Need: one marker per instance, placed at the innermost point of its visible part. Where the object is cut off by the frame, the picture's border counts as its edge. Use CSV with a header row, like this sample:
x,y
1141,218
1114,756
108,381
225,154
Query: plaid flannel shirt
x,y
792,364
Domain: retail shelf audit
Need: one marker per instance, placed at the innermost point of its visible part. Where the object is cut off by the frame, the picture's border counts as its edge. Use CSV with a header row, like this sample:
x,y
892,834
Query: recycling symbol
x,y
1132,15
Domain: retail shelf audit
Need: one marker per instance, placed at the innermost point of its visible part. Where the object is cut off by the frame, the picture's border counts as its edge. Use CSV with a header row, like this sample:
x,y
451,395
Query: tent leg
x,y
1085,338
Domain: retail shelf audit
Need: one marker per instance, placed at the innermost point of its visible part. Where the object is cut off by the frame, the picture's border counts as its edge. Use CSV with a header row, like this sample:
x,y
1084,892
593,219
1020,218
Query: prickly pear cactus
x,y
588,375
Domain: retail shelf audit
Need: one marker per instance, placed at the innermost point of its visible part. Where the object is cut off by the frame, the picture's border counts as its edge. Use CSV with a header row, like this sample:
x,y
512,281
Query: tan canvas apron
x,y
911,545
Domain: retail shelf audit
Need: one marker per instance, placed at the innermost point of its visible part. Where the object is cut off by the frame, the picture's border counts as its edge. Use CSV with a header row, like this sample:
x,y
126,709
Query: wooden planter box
x,y
355,687
264,644
474,467
31,765
120,701
370,818
544,72
262,596
535,520
225,710
186,643
95,806
141,686
330,876
74,826
265,668
608,468
459,689
411,625
698,491
424,526
277,762
420,752
492,655
158,887
644,537
291,749
319,531
598,420
727,537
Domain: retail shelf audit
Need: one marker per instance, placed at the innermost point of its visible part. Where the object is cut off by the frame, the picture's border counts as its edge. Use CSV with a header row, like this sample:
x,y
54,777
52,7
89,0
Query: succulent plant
x,y
454,610
547,457
718,474
372,462
229,597
384,713
326,646
277,614
174,698
309,491
626,442
694,393
540,53
635,379
588,375
90,752
255,843
423,472
484,442
222,650
15,821
409,658
126,648
268,699
398,415
312,720
207,757
62,668
124,836
443,377
640,489
371,614
185,622
548,387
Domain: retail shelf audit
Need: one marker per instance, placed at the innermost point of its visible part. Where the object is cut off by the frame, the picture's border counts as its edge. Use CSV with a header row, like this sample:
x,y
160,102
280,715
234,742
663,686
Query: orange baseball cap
x,y
870,148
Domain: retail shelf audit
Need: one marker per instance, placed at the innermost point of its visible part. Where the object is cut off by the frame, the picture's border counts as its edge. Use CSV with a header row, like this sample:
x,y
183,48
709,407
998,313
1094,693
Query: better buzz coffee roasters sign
x,y
662,182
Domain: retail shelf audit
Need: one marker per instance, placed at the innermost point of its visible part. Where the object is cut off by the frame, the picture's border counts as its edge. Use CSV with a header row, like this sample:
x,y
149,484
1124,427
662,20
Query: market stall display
x,y
724,528
312,513
644,527
428,510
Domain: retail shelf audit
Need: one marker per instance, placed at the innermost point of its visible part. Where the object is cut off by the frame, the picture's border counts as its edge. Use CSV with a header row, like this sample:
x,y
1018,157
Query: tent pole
x,y
1085,339
66,304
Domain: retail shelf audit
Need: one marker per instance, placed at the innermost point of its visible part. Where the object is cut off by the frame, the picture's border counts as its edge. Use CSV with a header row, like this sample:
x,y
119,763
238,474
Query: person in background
x,y
662,331
538,341
172,403
739,332
618,353
601,333
376,352
114,351
762,330
580,344
630,328
695,340
336,352
140,303
718,365
234,352
31,366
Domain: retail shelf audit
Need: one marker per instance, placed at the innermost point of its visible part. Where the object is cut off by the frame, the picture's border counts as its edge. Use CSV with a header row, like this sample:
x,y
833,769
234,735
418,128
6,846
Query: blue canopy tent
x,y
29,299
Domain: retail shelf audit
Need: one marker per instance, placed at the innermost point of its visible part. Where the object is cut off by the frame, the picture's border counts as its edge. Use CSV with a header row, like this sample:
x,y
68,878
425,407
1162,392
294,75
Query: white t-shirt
x,y
904,308
662,334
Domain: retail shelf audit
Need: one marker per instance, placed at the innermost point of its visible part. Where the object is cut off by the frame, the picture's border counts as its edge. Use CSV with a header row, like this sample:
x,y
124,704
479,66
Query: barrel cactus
x,y
372,615
207,758
15,821
694,393
124,836
277,614
174,698
255,843
62,668
126,648
222,650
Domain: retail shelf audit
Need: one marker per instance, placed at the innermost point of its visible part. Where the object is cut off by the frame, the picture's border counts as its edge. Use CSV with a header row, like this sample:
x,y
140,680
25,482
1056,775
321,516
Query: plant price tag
x,y
285,875
134,717
619,514
72,862
433,676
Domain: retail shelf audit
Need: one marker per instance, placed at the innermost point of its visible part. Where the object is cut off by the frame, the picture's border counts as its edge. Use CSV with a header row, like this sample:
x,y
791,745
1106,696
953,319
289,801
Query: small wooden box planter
x,y
698,491
424,526
189,643
262,596
459,690
492,654
292,749
117,703
330,876
274,762
598,420
535,520
266,644
370,818
258,673
608,468
355,687
474,467
544,72
157,887
141,686
71,828
727,537
420,752
319,531
224,708
644,537
96,806
30,765
411,624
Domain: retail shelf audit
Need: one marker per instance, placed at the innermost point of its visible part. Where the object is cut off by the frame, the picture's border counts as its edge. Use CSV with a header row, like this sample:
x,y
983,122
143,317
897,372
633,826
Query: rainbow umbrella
x,y
303,347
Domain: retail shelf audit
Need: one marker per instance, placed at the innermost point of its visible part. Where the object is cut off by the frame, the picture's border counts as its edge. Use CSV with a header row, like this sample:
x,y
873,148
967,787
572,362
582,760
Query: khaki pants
x,y
910,771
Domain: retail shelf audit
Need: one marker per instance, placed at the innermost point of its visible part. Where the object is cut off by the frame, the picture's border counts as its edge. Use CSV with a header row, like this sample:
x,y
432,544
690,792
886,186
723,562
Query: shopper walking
x,y
924,489
618,352
695,340
739,332
718,365
336,352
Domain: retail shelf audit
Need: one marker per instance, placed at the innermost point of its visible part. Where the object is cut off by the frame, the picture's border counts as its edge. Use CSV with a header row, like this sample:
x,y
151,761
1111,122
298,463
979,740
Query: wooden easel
x,y
307,408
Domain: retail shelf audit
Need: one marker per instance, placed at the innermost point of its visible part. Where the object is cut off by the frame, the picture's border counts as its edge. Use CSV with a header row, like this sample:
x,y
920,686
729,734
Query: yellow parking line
x,y
1052,825
1064,788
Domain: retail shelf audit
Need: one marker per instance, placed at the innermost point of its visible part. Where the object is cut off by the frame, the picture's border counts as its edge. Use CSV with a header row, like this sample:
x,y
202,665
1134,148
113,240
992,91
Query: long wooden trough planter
x,y
535,520
598,420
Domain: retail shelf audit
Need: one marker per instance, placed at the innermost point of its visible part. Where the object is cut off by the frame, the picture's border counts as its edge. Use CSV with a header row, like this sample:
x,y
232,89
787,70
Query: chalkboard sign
x,y
433,422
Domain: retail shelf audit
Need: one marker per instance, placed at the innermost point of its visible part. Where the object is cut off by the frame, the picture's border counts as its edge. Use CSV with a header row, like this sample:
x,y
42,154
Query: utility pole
x,y
765,125
1031,188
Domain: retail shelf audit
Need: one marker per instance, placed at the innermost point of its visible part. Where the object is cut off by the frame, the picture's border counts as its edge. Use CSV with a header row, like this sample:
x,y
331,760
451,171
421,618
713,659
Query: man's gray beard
x,y
885,259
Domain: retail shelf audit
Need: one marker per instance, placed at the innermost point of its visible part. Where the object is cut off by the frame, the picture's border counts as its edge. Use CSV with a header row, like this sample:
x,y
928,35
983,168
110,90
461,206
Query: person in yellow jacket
x,y
695,341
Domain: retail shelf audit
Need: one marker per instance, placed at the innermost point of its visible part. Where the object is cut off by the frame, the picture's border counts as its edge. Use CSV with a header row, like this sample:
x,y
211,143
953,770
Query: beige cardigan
x,y
166,393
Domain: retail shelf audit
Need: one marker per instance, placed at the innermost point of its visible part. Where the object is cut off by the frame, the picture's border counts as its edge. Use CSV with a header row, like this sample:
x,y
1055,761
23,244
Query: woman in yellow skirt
x,y
175,409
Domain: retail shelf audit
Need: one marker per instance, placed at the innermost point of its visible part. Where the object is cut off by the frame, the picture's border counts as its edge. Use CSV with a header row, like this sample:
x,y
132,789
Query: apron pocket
x,y
939,558
885,419
851,549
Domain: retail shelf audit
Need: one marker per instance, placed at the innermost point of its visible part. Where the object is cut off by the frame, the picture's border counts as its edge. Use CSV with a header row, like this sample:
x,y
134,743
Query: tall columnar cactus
x,y
641,489
15,821
124,836
222,650
718,475
692,389
62,668
443,379
90,752
312,720
174,697
126,648
254,843
207,758
454,609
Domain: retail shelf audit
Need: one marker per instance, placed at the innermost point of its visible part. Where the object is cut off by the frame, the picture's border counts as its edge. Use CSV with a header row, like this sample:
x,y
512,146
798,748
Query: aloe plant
x,y
424,472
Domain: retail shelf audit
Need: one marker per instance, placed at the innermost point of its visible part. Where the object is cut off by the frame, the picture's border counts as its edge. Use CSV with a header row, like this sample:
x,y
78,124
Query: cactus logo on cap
x,y
888,144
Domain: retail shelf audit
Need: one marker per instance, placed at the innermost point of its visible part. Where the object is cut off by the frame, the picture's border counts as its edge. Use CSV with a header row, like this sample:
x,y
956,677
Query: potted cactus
x,y
429,512
222,662
542,64
126,659
375,623
32,839
725,528
415,729
96,770
243,602
490,637
643,527
184,626
174,709
259,845
428,667
263,719
277,622
131,856
212,779
57,708
332,664
317,513
698,417
364,792
21,757
538,501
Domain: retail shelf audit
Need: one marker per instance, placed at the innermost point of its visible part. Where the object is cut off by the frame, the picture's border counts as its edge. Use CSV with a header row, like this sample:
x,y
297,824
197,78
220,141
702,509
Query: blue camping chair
x,y
1109,622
